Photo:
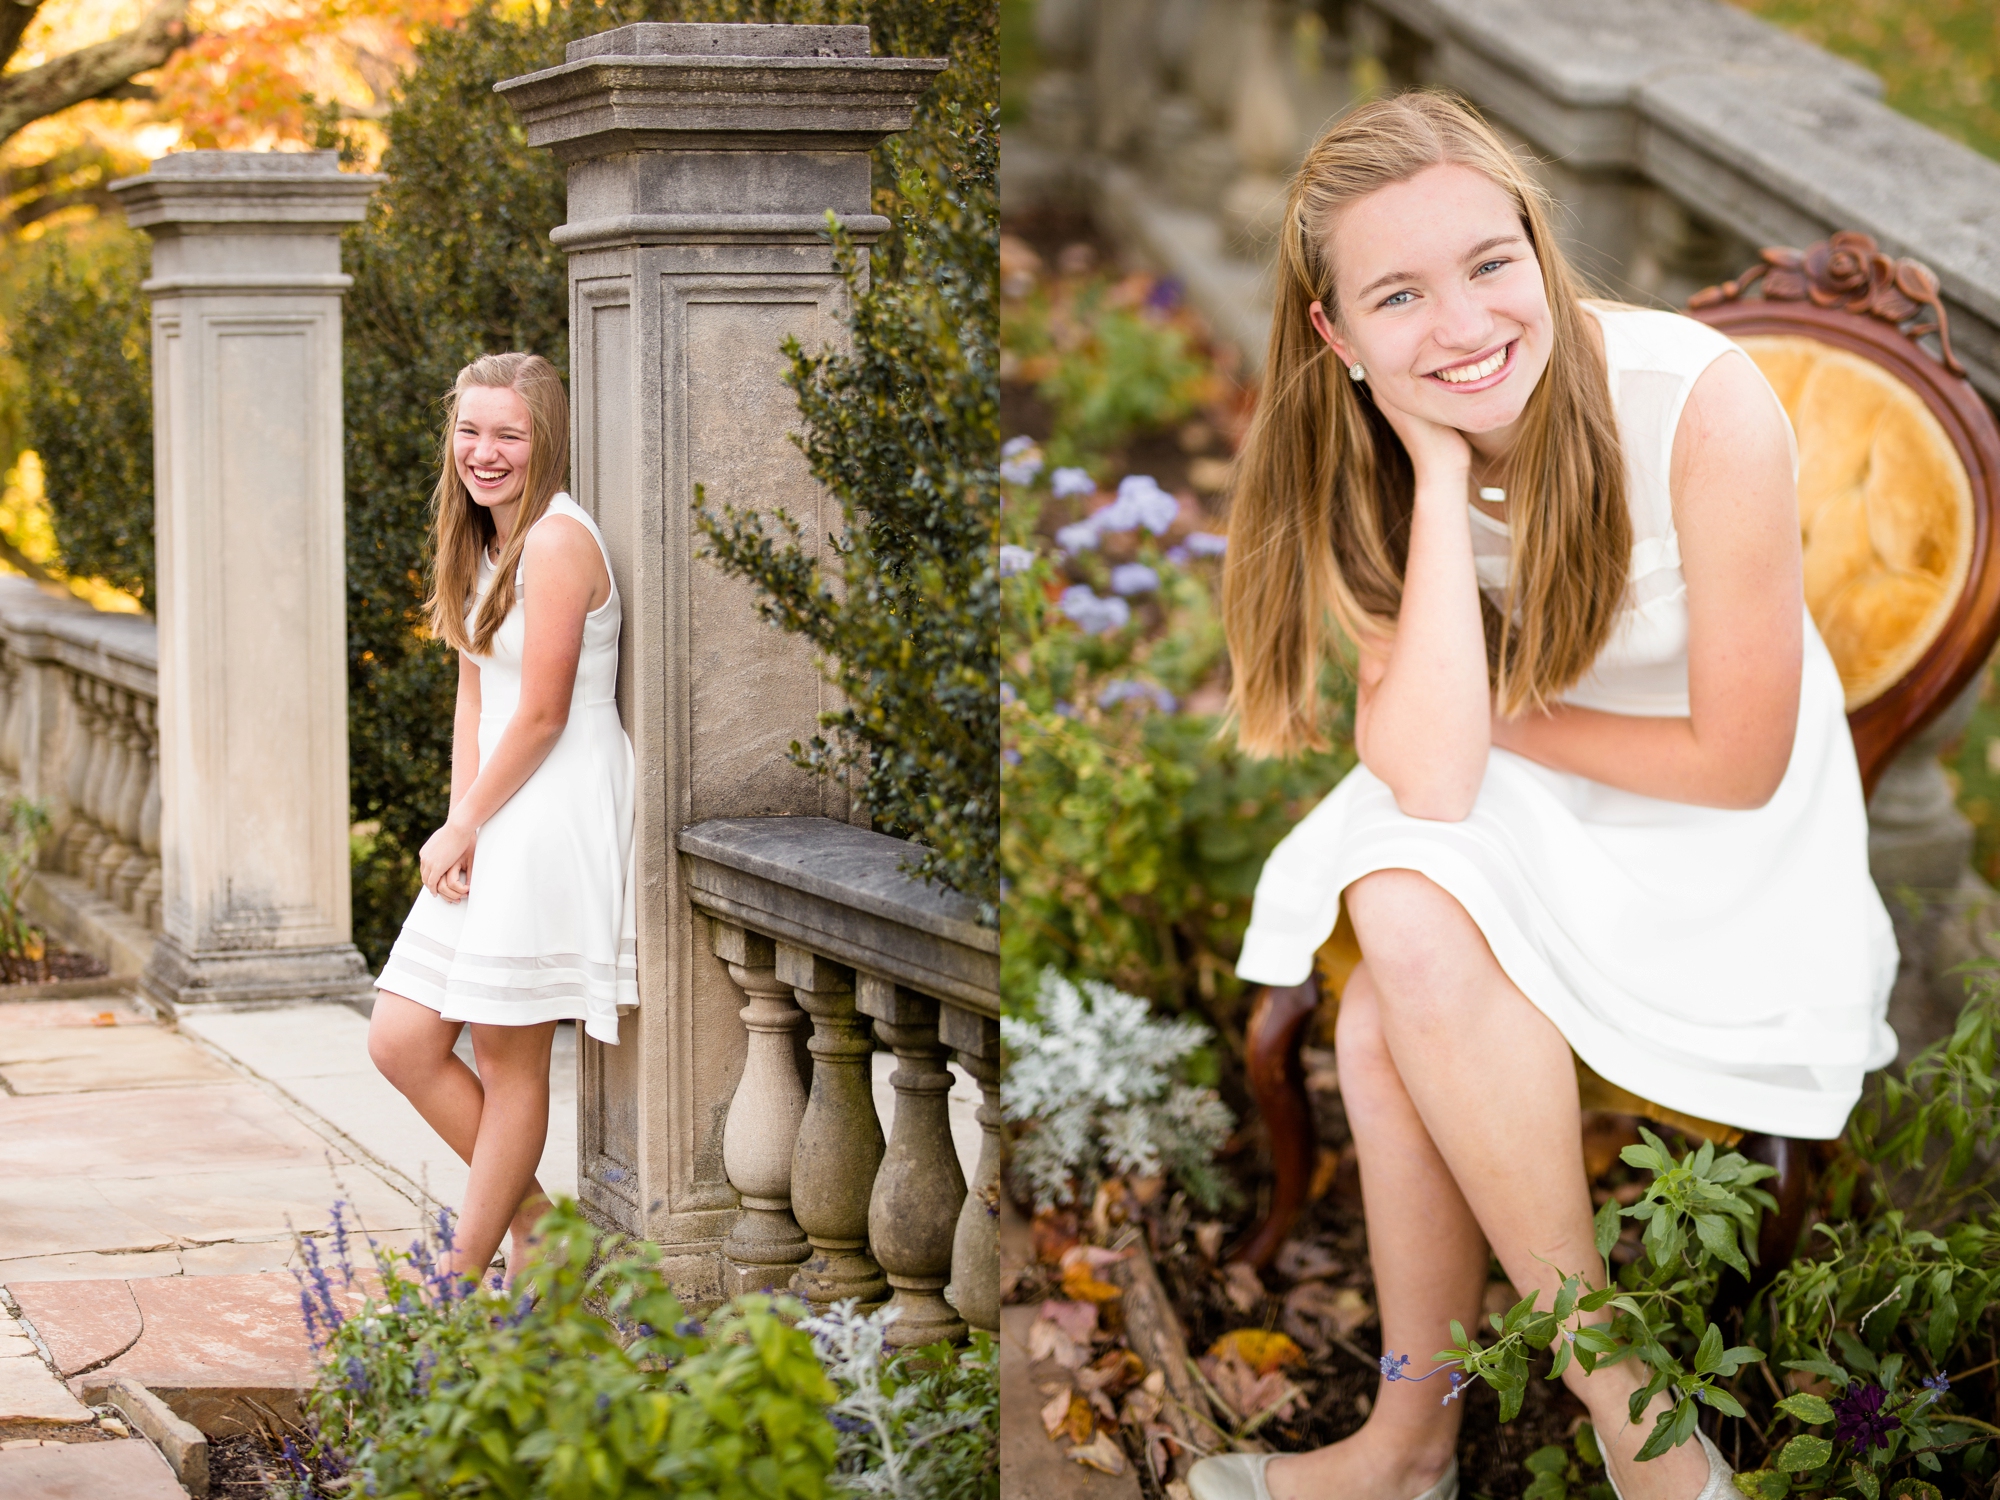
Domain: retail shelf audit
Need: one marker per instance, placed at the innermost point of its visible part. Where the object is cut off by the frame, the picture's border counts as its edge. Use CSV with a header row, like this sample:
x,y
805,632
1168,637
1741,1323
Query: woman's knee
x,y
407,1041
514,1052
1424,954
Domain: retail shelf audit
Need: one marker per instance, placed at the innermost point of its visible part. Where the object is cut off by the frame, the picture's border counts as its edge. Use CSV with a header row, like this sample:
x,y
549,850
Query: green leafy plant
x,y
903,430
24,825
914,1424
85,333
1100,1088
588,1381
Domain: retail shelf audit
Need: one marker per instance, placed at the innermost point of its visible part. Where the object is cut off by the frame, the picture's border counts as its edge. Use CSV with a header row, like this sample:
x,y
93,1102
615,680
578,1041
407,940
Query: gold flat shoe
x,y
1240,1476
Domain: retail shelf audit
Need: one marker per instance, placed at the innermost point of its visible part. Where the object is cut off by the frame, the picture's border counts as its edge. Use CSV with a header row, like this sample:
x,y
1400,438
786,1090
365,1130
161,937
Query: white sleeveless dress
x,y
1734,966
547,931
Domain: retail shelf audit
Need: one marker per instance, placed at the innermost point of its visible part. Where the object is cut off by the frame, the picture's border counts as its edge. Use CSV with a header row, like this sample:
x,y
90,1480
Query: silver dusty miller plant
x,y
1098,1084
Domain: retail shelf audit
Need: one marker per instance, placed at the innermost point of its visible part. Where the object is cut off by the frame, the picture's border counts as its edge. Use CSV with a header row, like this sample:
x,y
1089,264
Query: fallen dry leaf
x,y
1243,1286
1141,1406
1100,1453
1077,1319
1080,1265
1115,1372
1056,1413
1162,1442
1047,1340
1316,1314
1080,1422
104,1018
1259,1348
1305,1260
1326,1171
1208,1239
1245,1392
1054,1232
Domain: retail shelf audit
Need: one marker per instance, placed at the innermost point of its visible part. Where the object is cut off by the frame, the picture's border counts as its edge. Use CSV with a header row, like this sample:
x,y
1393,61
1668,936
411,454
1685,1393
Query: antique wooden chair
x,y
1899,510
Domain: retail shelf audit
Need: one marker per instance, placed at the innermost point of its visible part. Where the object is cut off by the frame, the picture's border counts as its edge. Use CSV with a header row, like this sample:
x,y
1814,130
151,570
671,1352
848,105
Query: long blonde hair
x,y
462,528
1320,521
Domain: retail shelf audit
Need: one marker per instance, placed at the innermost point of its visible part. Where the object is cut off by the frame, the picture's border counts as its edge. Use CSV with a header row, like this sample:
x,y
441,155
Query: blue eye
x,y
1490,265
1390,300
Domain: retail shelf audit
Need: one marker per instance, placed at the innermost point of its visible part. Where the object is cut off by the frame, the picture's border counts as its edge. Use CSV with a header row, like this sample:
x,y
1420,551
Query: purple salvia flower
x,y
1093,615
1180,557
1205,544
1081,536
1015,559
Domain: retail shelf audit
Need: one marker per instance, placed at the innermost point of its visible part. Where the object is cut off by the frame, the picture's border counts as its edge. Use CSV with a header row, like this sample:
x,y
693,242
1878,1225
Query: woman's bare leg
x,y
1437,1272
411,1046
513,1128
1492,1081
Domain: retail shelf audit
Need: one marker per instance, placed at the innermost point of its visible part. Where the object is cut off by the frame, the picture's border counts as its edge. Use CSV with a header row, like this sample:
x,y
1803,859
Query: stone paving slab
x,y
82,1323
1032,1467
318,1054
127,1470
29,1390
122,1010
141,1132
78,1060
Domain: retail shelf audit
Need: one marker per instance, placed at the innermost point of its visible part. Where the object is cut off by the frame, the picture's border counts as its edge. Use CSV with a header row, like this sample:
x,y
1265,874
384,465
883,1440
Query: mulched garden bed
x,y
1319,1294
55,963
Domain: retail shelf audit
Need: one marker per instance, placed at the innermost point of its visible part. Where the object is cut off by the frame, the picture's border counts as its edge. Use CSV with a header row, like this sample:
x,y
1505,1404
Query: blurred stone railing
x,y
817,923
1679,135
79,702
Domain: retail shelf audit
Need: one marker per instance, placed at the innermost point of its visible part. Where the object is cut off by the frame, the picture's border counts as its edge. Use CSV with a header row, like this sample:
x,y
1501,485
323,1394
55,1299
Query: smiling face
x,y
1442,302
490,445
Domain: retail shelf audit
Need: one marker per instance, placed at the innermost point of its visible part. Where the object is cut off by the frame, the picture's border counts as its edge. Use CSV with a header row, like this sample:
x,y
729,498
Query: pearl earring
x,y
1355,373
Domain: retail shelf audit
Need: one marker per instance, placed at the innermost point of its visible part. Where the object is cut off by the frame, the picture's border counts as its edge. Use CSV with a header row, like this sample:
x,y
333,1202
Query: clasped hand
x,y
446,861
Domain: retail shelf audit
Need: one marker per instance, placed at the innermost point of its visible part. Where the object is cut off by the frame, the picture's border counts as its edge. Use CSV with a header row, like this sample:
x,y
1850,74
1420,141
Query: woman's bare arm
x,y
1736,509
565,569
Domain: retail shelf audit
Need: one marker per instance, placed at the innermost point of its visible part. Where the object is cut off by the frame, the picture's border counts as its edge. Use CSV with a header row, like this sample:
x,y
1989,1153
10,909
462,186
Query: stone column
x,y
703,161
252,612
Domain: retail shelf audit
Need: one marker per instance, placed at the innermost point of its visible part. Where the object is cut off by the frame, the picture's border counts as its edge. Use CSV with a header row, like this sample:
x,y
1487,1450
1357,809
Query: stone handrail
x,y
816,919
79,700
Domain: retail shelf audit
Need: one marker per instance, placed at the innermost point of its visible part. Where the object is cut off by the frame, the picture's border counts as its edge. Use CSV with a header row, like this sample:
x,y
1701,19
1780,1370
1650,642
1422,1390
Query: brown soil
x,y
55,963
242,1468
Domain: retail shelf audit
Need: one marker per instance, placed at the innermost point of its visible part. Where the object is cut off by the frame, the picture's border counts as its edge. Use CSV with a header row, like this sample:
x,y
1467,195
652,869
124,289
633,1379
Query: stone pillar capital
x,y
214,216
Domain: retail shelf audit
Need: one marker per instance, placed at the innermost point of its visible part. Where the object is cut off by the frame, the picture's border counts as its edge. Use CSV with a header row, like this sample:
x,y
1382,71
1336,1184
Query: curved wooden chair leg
x,y
1794,1187
1277,1030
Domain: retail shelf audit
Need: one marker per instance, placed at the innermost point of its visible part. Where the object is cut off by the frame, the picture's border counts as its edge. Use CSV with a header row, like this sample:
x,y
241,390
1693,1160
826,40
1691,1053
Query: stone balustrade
x,y
826,936
79,732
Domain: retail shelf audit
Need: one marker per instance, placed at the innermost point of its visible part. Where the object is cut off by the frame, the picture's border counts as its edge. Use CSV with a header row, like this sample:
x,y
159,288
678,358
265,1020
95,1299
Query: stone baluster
x,y
146,898
13,699
761,1137
975,1251
118,778
765,1242
914,1209
131,871
85,837
840,1140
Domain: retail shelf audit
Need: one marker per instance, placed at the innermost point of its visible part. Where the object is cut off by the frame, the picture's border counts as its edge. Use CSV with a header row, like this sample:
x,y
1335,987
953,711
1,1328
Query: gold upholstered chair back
x,y
1899,475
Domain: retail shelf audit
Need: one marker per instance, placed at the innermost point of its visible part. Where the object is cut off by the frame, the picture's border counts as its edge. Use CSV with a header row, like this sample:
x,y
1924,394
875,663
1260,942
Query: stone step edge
x,y
181,1443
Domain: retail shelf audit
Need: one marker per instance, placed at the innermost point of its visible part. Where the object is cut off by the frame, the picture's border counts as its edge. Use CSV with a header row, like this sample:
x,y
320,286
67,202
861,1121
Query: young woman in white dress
x,y
1607,802
539,928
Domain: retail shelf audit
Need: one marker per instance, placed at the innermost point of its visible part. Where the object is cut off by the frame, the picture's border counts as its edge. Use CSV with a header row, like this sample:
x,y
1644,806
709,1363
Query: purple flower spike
x,y
1937,1385
1065,483
1392,1366
1133,578
1206,544
1458,1385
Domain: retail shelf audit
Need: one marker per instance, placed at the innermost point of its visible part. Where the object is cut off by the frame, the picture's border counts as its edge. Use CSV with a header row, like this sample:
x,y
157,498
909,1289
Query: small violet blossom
x,y
1393,1365
1007,693
1205,544
1180,557
1936,1385
1125,690
1859,1418
1140,502
1020,460
1015,559
1092,614
1080,537
1133,578
1067,482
